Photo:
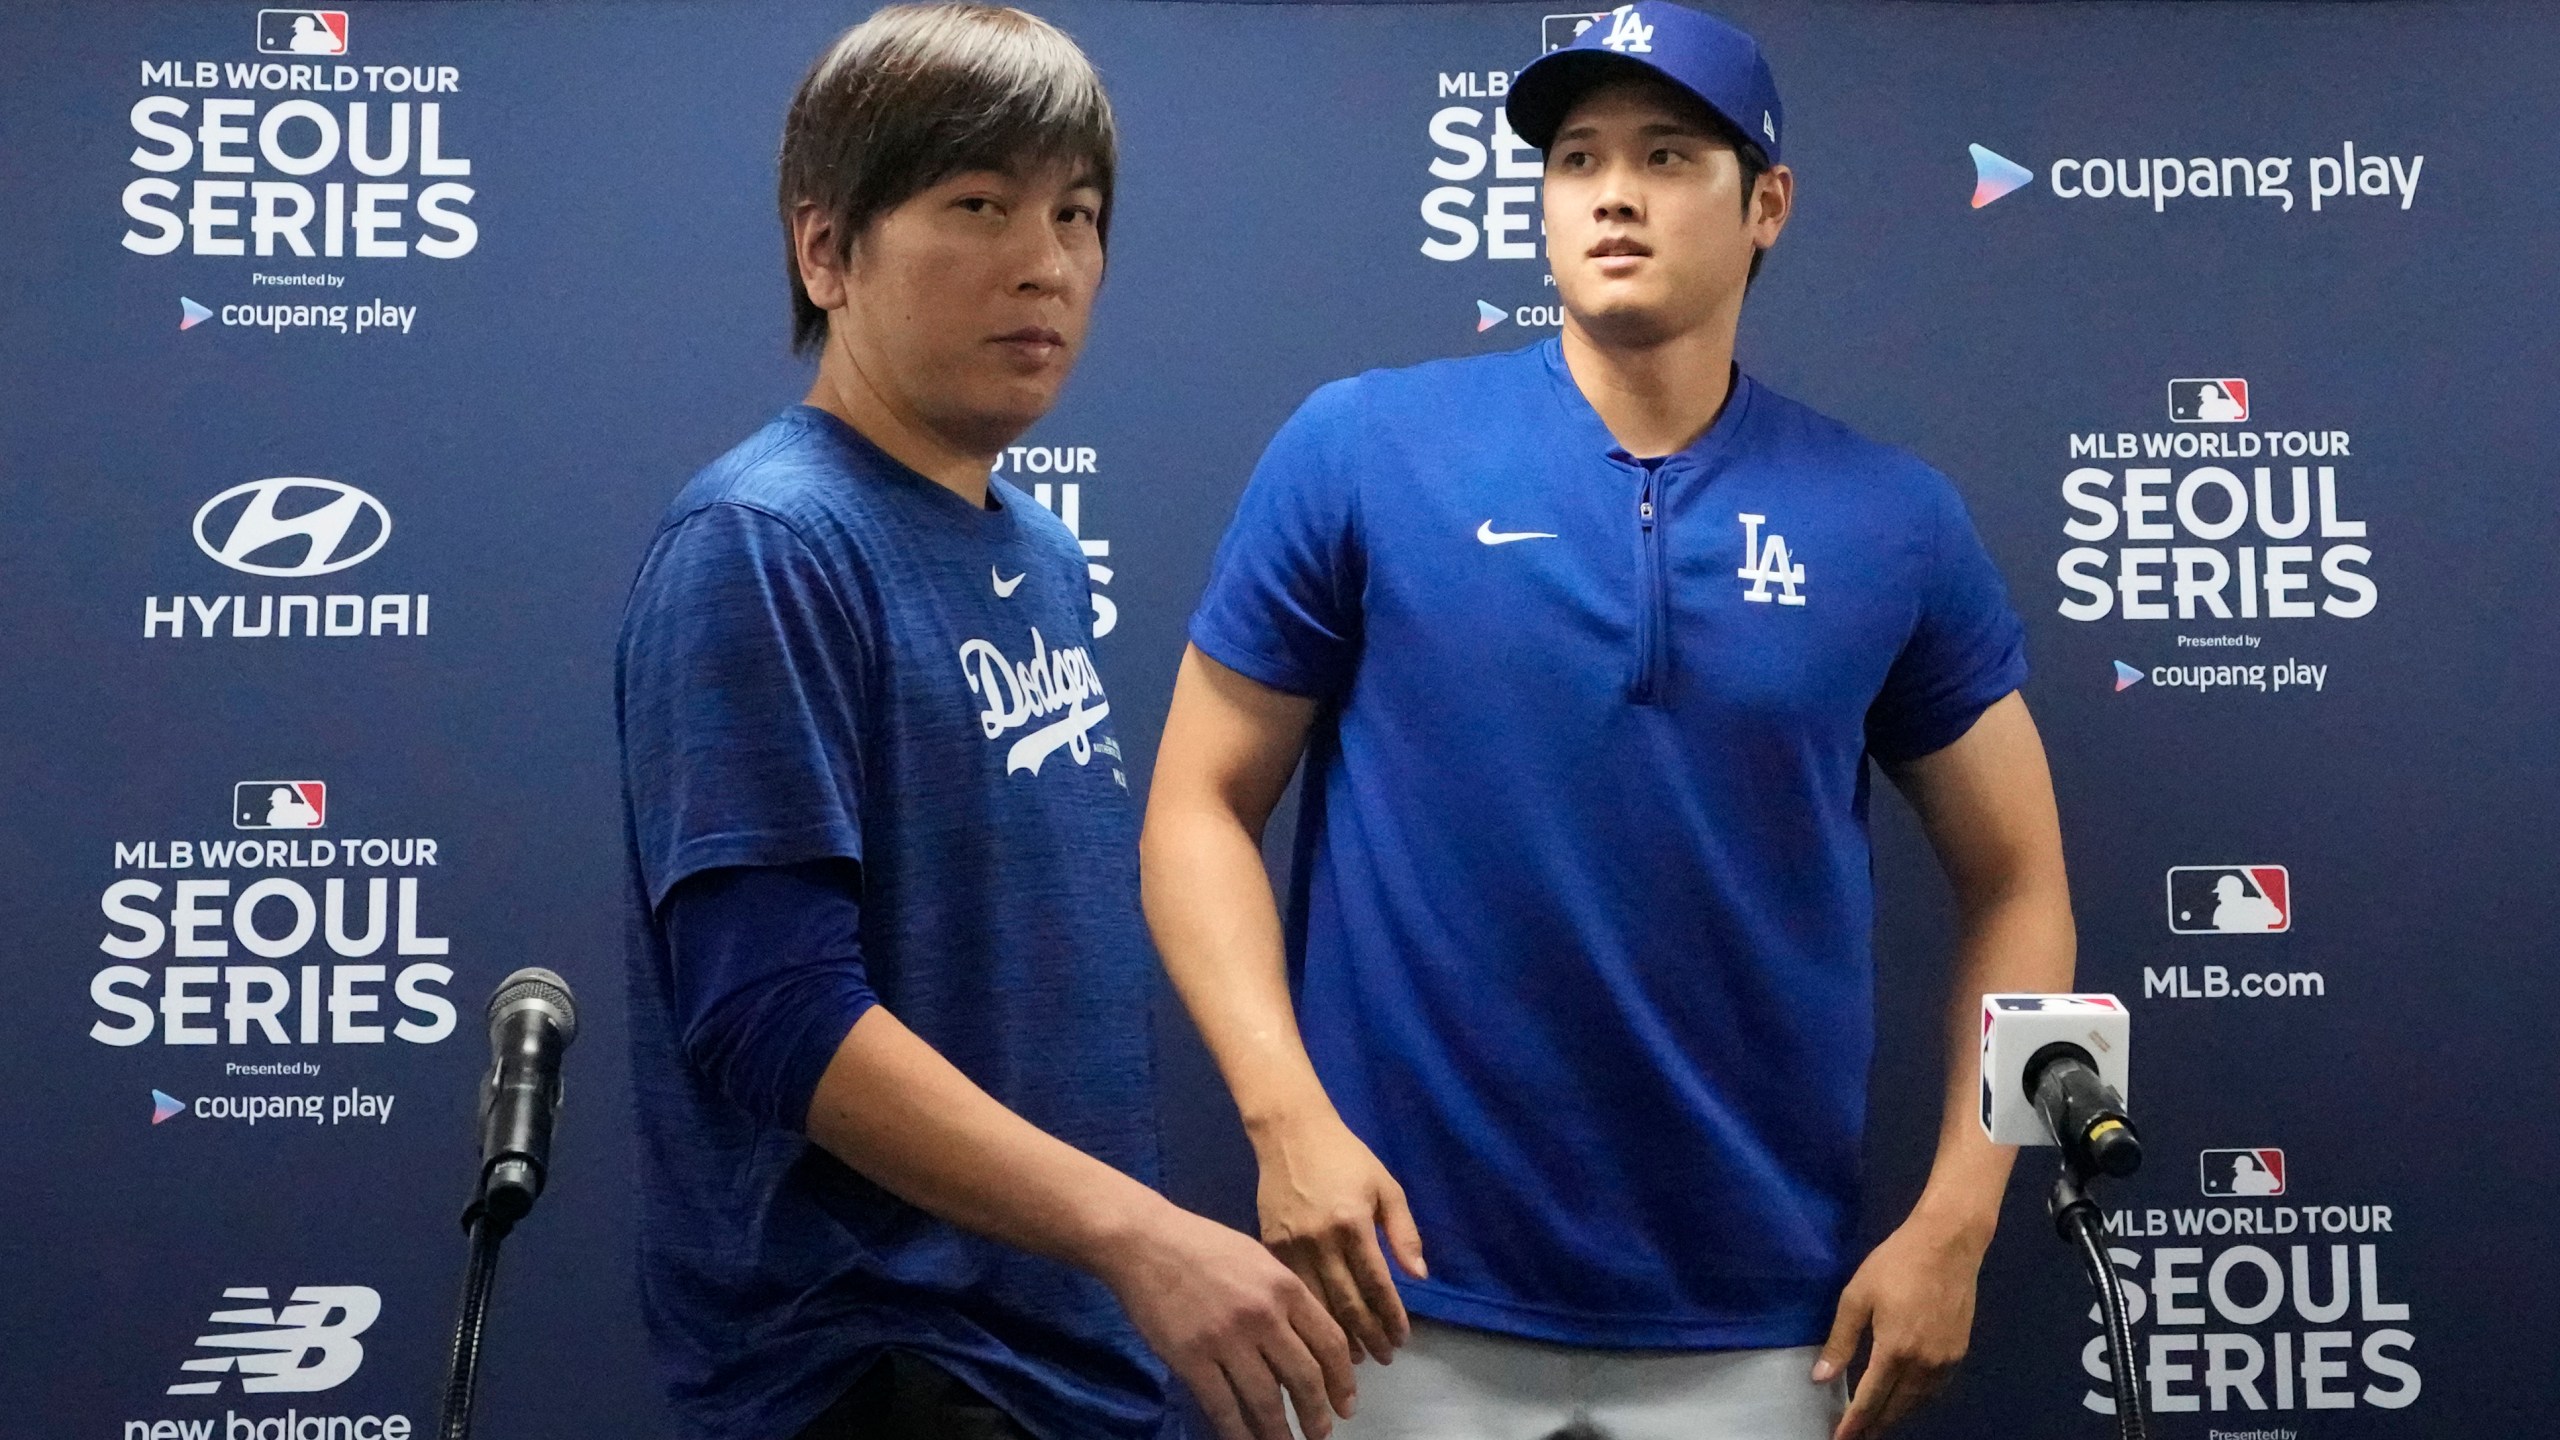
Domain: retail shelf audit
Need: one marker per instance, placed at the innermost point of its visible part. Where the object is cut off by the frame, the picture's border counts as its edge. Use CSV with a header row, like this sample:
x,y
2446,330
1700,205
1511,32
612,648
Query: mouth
x,y
1619,246
1033,342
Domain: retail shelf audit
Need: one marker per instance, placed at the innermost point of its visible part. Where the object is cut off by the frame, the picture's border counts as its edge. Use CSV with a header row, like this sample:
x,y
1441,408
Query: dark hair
x,y
919,93
1755,163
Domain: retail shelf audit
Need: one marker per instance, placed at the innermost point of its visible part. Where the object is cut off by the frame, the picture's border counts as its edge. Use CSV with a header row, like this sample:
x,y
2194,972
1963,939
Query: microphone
x,y
2054,1073
2082,1111
532,1019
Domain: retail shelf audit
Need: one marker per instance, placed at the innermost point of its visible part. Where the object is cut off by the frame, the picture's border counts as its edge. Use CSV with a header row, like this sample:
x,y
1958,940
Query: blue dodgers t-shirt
x,y
1581,918
828,656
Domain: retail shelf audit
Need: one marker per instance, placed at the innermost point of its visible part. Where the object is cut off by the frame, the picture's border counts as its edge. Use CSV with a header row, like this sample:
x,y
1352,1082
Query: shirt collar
x,y
874,463
1593,435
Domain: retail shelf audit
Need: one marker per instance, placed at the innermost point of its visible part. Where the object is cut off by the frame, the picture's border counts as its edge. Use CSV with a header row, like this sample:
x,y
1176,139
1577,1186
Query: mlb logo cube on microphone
x,y
279,805
2015,1027
2230,900
2241,1172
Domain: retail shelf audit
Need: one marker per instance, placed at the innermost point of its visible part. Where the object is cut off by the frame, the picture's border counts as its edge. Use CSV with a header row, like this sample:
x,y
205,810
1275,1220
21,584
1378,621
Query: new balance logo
x,y
1628,34
1767,564
308,1344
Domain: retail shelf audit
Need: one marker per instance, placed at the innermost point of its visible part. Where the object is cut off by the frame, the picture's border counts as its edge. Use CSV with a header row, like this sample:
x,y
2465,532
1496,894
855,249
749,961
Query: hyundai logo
x,y
344,528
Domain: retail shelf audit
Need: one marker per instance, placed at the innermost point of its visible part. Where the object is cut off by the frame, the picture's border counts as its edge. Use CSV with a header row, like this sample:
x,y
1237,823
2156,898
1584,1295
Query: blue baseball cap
x,y
1701,54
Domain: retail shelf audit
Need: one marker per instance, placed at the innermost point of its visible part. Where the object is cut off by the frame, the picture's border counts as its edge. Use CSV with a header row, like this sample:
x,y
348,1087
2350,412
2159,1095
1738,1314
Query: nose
x,y
1618,199
1044,268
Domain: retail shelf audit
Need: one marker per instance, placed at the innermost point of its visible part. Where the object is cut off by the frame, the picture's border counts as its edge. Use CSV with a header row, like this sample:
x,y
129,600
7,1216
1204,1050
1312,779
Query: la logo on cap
x,y
1628,34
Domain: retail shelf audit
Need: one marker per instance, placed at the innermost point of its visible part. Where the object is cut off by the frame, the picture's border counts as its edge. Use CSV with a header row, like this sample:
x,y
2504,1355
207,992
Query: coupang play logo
x,y
2330,181
1995,175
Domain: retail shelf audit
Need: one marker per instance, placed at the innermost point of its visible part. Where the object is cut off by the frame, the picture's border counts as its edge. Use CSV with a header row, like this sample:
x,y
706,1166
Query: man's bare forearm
x,y
1210,906
1229,747
2017,942
893,1108
1323,1199
1987,804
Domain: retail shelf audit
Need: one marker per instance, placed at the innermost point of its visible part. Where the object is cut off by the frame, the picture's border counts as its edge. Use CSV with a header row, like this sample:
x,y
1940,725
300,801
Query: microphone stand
x,y
487,1226
532,1019
2082,1225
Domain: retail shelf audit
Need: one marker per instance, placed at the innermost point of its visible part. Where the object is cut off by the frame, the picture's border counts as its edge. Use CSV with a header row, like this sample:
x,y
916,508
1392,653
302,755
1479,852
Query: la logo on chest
x,y
1766,562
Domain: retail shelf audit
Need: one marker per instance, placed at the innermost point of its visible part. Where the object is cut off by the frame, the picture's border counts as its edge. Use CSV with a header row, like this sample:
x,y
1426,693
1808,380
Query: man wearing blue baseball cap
x,y
1587,648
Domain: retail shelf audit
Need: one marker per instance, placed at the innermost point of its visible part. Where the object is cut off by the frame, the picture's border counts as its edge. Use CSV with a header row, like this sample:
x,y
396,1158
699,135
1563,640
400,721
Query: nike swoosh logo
x,y
1004,587
1490,536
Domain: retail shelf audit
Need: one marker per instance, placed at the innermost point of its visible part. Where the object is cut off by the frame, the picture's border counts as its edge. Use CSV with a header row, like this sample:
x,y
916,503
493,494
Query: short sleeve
x,y
1283,602
741,688
1966,651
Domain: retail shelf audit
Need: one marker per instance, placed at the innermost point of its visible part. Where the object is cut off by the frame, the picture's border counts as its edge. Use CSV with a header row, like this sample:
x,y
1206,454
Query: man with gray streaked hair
x,y
890,990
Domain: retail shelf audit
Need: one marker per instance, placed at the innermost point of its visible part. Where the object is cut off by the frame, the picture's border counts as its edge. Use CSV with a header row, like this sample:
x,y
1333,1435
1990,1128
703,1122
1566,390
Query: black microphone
x,y
532,1019
2084,1113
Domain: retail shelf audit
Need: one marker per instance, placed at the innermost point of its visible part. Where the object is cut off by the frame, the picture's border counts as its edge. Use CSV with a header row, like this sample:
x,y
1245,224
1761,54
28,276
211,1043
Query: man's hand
x,y
1231,1321
1915,1292
1234,1324
1324,1197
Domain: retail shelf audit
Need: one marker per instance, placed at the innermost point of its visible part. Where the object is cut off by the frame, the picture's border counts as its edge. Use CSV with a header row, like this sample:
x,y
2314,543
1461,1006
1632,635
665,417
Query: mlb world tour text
x,y
2213,565
357,918
297,176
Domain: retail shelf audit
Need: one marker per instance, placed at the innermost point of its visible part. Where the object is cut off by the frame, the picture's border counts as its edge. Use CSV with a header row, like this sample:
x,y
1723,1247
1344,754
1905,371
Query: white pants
x,y
1452,1383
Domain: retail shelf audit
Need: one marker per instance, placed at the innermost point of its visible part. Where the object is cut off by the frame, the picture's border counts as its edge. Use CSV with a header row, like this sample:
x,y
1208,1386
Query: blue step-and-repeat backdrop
x,y
2233,322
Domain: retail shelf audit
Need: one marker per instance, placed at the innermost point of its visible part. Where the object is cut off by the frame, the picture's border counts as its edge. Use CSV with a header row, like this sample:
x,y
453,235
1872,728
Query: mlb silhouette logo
x,y
2208,401
2241,1172
302,32
2230,900
1562,30
279,805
